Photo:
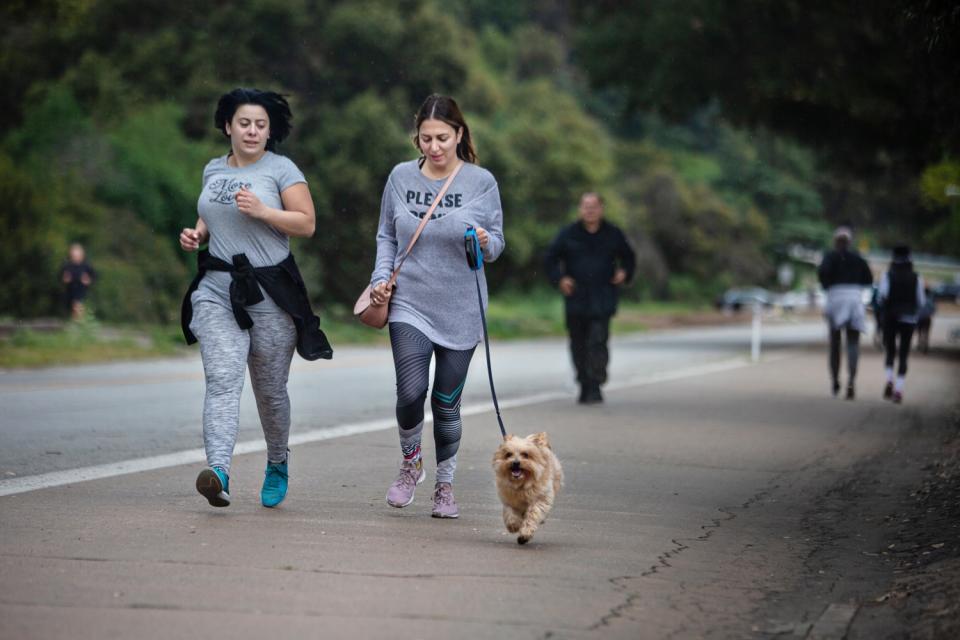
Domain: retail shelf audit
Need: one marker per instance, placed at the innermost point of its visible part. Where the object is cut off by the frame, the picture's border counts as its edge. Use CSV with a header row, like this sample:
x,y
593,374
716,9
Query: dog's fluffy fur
x,y
528,477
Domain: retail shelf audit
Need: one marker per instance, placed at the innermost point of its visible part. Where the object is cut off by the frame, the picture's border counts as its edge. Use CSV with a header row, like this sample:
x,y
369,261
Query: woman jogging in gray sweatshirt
x,y
431,313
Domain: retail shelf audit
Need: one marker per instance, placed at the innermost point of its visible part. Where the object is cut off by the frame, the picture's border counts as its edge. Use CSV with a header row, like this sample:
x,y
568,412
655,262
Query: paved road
x,y
679,518
65,418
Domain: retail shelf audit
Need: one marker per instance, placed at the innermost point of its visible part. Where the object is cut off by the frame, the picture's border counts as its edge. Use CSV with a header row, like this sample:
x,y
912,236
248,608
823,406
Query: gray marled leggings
x,y
227,350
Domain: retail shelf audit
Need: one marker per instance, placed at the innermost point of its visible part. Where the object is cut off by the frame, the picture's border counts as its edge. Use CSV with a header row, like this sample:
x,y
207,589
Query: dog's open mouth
x,y
516,473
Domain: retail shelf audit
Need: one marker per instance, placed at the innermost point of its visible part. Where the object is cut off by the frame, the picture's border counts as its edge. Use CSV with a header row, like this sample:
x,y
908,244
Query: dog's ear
x,y
540,439
509,437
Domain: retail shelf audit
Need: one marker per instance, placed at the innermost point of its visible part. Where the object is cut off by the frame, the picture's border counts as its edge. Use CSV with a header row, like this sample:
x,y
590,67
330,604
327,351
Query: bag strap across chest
x,y
423,223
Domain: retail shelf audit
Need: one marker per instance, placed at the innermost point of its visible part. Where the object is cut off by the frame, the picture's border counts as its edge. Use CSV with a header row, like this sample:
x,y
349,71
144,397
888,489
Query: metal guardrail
x,y
927,264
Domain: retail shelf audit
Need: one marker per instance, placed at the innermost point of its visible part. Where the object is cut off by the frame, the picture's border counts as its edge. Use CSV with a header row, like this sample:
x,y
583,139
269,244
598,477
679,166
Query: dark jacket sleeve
x,y
824,271
555,261
626,256
866,276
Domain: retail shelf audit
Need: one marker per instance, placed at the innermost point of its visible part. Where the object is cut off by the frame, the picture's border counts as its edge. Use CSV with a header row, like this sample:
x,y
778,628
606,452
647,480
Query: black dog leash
x,y
475,262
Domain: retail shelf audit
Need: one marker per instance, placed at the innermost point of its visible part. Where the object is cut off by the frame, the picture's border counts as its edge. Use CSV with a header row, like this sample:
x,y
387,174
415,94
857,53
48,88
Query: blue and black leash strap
x,y
475,261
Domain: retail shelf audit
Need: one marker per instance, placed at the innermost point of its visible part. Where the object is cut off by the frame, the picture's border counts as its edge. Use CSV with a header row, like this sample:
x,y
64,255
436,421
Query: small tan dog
x,y
529,478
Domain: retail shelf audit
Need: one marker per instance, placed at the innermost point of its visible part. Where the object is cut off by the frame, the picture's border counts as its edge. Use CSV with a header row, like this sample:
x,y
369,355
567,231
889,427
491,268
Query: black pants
x,y
853,353
588,346
891,333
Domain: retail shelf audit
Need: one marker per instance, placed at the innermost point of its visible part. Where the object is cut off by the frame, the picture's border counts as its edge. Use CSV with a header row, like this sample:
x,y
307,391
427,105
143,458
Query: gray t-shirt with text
x,y
232,232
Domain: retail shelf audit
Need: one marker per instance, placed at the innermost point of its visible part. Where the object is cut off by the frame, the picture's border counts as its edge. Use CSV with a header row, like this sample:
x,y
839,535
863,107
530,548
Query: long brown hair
x,y
445,109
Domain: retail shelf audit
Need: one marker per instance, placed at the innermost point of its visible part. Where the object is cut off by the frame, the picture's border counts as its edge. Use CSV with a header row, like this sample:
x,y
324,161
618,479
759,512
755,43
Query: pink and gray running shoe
x,y
400,493
444,504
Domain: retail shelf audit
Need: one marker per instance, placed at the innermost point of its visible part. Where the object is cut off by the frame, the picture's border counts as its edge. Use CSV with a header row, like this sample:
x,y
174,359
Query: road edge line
x,y
15,486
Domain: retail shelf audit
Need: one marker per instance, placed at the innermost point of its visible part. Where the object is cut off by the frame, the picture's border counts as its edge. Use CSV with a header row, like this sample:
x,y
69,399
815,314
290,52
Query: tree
x,y
873,86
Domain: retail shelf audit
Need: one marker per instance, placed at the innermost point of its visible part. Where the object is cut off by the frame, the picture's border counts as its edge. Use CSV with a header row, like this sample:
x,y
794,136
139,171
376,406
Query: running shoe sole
x,y
210,487
423,475
445,517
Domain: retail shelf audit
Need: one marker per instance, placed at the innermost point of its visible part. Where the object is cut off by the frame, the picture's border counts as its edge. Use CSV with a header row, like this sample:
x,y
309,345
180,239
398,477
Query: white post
x,y
755,335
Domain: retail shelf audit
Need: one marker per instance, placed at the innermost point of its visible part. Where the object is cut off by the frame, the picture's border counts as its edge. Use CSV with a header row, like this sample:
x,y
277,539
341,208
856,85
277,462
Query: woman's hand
x,y
483,237
249,204
191,239
380,294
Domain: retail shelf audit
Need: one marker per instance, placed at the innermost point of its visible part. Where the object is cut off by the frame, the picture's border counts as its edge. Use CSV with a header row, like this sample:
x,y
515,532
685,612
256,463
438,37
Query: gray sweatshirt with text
x,y
436,291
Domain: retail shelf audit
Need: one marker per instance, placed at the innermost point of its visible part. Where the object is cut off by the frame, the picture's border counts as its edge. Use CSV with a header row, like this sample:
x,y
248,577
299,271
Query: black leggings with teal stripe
x,y
412,351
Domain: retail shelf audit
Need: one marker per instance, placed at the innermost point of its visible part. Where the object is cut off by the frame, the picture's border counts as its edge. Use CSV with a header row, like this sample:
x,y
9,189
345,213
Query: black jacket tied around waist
x,y
282,282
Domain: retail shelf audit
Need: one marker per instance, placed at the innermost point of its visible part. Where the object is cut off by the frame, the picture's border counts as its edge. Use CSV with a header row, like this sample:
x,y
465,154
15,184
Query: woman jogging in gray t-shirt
x,y
431,313
251,202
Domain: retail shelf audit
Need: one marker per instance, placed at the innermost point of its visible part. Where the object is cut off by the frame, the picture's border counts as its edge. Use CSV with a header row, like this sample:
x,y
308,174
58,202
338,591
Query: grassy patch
x,y
540,313
510,316
641,316
83,342
524,316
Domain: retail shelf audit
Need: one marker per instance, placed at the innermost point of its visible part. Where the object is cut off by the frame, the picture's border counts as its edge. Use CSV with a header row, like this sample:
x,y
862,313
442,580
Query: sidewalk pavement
x,y
662,527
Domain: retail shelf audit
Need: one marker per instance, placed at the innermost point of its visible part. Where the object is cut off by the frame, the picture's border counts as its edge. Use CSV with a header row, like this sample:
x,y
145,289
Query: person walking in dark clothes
x,y
588,261
844,274
901,294
77,276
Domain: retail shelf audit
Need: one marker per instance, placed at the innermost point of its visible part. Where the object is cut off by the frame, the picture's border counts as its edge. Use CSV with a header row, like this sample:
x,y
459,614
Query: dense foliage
x,y
873,87
109,109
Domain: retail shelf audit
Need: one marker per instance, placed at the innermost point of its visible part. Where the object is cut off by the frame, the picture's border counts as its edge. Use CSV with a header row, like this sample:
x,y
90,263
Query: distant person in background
x,y
77,275
925,320
901,293
843,275
589,261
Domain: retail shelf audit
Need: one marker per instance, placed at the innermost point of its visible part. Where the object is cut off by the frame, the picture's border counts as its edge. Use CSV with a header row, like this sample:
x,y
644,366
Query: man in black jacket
x,y
588,261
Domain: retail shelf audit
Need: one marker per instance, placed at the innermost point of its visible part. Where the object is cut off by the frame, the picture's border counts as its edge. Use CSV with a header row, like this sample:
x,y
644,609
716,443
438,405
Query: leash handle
x,y
471,243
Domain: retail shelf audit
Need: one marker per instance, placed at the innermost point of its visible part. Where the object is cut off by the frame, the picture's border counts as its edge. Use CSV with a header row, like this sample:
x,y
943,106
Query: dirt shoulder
x,y
883,545
919,549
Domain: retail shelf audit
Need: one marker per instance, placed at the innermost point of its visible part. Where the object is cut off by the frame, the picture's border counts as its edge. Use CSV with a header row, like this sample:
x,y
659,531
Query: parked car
x,y
801,300
737,299
793,300
947,291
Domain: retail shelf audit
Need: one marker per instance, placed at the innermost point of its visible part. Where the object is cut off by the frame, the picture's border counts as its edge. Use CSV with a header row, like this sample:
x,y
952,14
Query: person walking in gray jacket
x,y
843,274
431,315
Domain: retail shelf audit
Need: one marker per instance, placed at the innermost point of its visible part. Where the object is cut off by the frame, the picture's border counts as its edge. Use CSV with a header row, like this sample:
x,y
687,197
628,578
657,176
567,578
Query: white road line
x,y
12,486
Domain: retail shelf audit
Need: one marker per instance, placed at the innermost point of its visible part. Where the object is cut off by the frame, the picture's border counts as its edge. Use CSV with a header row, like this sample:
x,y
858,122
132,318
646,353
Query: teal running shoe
x,y
214,485
274,484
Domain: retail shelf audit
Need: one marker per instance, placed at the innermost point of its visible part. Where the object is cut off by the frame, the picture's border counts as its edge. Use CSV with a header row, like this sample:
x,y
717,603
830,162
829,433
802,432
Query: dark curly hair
x,y
276,106
445,109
